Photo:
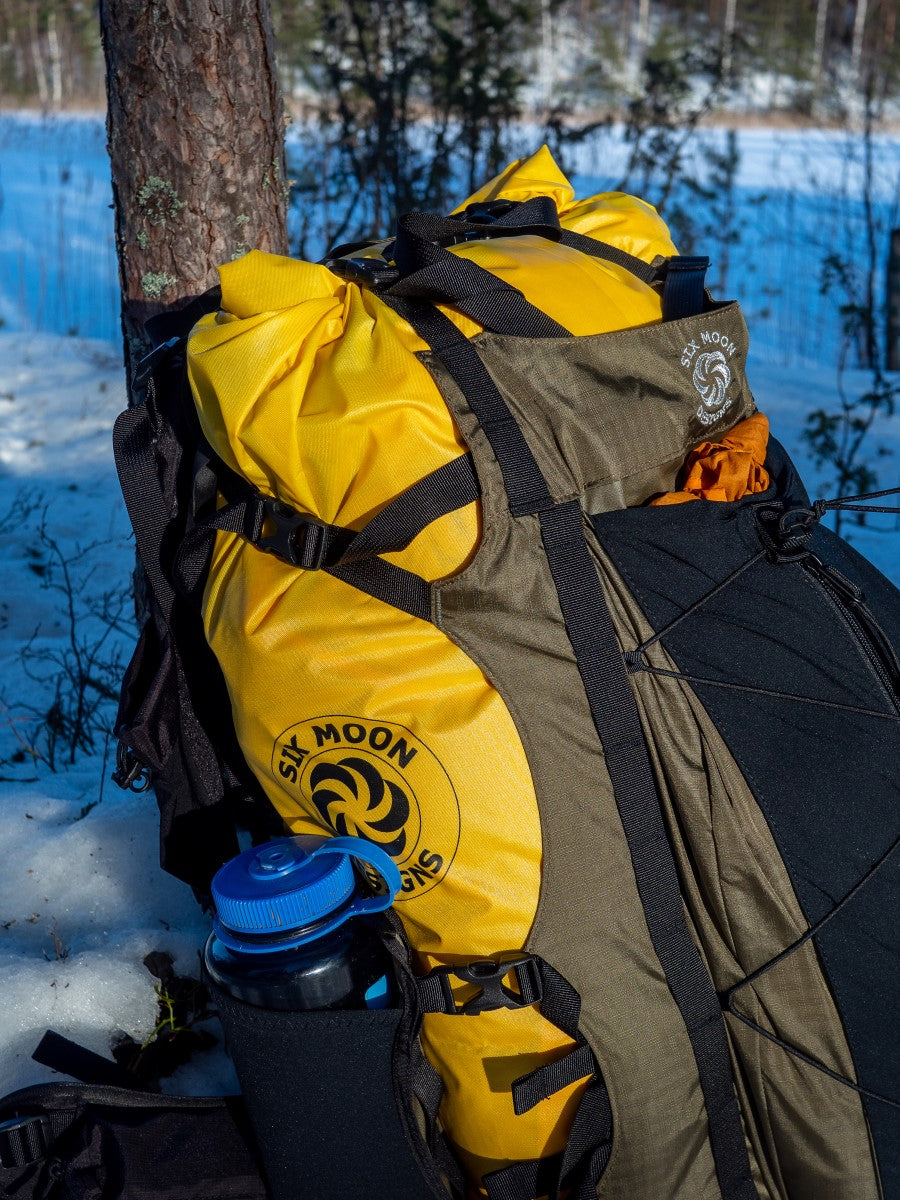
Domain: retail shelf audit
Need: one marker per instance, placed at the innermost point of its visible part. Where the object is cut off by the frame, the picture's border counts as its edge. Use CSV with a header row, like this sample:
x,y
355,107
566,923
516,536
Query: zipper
x,y
849,600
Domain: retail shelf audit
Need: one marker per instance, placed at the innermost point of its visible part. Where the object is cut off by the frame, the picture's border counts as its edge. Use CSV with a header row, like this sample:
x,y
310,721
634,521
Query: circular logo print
x,y
712,376
376,780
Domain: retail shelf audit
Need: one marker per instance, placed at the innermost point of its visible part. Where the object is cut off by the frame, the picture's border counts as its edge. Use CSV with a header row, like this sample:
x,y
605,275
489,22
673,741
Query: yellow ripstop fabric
x,y
309,387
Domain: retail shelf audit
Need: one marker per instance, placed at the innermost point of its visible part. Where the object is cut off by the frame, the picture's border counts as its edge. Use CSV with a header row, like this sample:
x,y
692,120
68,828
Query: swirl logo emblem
x,y
371,779
707,357
355,799
712,376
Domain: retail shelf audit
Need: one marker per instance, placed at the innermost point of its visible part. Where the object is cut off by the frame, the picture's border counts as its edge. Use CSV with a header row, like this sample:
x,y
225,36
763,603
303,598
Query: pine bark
x,y
195,133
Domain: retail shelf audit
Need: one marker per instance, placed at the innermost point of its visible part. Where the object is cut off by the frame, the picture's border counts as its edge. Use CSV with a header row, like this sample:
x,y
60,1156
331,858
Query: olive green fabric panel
x,y
808,1134
503,611
611,417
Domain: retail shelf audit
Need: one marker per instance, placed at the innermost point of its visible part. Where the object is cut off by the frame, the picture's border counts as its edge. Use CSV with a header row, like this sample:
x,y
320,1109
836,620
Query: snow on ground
x,y
82,899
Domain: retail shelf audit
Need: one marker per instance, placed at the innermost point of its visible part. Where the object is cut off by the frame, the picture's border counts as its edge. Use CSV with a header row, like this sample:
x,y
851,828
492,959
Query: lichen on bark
x,y
194,126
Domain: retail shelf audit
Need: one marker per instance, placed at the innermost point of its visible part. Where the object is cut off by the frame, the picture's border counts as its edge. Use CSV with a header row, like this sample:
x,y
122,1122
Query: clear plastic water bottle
x,y
297,925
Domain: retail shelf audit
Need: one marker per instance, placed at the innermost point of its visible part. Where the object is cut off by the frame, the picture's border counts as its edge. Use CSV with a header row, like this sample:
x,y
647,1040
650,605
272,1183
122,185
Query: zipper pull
x,y
848,590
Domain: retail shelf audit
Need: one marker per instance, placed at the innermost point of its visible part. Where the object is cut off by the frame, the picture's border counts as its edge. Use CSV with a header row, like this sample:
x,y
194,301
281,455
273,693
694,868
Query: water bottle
x,y
297,929
298,969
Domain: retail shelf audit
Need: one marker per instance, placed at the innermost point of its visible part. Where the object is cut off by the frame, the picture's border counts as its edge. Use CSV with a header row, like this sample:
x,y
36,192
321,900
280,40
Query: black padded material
x,y
106,1143
320,1095
818,739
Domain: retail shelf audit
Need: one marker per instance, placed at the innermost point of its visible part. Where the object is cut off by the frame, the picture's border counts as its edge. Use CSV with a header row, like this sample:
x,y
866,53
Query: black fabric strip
x,y
644,271
481,295
529,1090
417,232
526,487
523,1180
388,583
618,724
589,1143
684,292
431,272
560,1004
450,487
63,1055
25,1142
143,498
427,1086
446,489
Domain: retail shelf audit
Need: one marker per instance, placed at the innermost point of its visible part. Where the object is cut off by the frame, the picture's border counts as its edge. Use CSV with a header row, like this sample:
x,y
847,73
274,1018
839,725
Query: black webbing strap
x,y
617,721
616,718
69,1058
428,271
524,1180
684,292
390,584
428,1089
683,276
305,542
590,1144
450,487
529,1090
133,452
526,487
648,273
579,1168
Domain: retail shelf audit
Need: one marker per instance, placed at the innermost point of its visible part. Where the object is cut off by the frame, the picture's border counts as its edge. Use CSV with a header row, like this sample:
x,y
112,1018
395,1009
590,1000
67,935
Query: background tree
x,y
404,97
195,136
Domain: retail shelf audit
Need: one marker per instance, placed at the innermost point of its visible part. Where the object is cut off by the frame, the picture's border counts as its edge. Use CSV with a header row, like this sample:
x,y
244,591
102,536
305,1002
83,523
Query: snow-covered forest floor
x,y
82,899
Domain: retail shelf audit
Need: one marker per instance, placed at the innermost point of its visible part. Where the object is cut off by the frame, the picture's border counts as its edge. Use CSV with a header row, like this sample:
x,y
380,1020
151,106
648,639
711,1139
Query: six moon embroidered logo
x,y
710,373
376,780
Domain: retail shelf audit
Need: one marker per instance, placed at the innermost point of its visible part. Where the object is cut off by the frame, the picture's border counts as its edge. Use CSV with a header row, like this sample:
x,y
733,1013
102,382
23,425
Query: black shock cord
x,y
814,929
635,661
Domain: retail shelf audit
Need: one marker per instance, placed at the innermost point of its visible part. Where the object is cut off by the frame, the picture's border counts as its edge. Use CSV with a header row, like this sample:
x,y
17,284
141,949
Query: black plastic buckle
x,y
484,212
151,361
297,538
488,974
372,273
24,1140
687,262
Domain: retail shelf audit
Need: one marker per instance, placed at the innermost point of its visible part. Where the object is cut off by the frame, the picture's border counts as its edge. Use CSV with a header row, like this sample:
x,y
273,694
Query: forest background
x,y
767,136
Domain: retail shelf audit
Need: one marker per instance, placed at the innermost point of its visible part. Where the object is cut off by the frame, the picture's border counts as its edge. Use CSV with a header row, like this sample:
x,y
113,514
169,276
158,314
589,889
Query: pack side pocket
x,y
320,1094
147,720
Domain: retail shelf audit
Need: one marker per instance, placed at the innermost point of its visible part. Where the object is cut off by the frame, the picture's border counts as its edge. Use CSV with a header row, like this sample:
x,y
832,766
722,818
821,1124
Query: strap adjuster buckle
x,y
151,361
24,1140
297,538
488,974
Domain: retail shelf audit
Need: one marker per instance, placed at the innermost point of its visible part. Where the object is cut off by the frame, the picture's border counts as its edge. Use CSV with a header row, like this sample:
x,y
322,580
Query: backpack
x,y
426,565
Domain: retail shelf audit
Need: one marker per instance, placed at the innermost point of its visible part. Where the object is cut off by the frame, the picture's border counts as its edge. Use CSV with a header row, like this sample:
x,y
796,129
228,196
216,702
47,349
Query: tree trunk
x,y
728,39
859,33
195,138
819,46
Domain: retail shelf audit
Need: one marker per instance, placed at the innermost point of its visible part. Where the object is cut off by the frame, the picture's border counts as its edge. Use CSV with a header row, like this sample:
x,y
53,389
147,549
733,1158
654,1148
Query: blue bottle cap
x,y
295,889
